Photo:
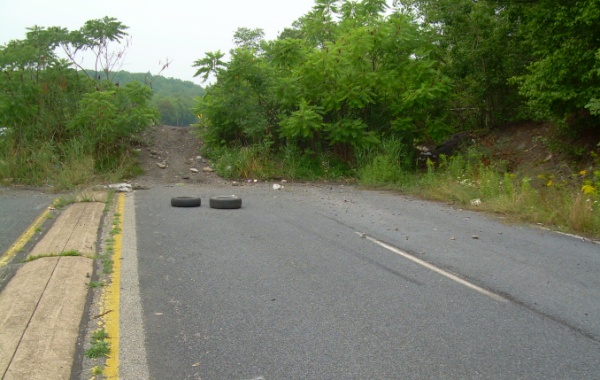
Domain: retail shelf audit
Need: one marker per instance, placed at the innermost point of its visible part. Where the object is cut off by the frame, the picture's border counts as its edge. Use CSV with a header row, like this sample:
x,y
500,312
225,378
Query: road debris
x,y
475,202
121,187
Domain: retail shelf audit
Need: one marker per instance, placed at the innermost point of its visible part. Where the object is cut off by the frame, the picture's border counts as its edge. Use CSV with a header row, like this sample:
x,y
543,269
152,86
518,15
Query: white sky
x,y
180,30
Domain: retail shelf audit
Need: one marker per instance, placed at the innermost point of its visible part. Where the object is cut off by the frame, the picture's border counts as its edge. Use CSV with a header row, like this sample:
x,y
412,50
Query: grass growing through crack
x,y
97,371
100,346
110,196
116,221
45,255
107,254
63,202
95,284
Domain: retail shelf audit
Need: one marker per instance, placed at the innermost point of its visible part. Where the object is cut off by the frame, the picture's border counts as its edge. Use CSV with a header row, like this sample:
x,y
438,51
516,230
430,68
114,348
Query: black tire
x,y
185,202
225,202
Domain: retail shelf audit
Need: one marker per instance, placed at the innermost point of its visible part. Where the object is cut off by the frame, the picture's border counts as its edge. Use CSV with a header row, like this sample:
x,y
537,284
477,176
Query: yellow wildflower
x,y
588,190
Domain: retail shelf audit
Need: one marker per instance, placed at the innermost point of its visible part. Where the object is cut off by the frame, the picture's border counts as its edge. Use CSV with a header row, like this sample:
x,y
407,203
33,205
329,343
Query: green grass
x,y
95,284
460,180
71,253
64,201
97,371
260,162
467,183
64,166
109,245
100,347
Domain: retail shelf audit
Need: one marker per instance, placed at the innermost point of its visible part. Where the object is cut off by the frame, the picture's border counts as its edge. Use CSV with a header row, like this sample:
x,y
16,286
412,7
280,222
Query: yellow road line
x,y
24,238
111,297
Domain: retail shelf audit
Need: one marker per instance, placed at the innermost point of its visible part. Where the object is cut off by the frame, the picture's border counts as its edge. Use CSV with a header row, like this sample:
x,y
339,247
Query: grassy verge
x,y
571,205
62,166
260,162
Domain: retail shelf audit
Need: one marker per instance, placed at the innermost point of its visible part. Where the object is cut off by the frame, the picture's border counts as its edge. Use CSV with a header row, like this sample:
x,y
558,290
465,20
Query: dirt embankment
x,y
171,155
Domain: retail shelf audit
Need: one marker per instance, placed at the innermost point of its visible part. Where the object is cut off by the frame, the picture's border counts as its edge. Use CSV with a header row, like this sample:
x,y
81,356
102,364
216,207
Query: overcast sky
x,y
180,30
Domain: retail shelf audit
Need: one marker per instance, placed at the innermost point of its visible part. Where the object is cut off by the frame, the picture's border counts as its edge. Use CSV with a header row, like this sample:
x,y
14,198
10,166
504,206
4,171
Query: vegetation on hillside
x,y
63,126
352,88
350,74
174,98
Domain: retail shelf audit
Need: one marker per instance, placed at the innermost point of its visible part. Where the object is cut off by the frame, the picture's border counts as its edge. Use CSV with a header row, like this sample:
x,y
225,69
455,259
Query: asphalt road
x,y
18,209
337,283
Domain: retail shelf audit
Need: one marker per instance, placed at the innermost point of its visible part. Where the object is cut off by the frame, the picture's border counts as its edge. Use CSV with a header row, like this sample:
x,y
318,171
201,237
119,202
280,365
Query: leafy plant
x,y
66,127
100,346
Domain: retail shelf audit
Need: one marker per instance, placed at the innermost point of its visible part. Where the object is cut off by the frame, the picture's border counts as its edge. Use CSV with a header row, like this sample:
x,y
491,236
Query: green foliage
x,y
65,127
100,347
388,164
477,43
248,38
174,98
107,118
210,64
259,161
564,76
96,37
349,76
305,122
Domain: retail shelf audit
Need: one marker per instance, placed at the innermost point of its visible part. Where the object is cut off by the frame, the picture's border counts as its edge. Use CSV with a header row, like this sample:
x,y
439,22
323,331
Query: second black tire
x,y
225,202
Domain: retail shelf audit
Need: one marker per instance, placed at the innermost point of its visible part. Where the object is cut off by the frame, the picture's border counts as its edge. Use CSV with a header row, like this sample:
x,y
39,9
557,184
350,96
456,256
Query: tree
x,y
96,37
478,46
210,64
564,75
56,113
248,38
352,78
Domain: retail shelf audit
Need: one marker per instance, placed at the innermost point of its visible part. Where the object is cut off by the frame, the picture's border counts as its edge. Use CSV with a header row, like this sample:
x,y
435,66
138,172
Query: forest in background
x,y
174,98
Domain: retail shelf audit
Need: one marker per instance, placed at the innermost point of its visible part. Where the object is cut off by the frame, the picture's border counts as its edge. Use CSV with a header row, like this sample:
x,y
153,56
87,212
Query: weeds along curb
x,y
110,295
101,347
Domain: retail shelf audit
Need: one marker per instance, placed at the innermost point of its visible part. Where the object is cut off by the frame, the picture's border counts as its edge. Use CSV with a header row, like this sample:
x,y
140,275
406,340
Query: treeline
x,y
62,125
349,75
174,98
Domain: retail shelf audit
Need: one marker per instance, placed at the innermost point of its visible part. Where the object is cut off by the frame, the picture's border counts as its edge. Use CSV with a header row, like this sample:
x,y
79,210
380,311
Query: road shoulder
x,y
42,306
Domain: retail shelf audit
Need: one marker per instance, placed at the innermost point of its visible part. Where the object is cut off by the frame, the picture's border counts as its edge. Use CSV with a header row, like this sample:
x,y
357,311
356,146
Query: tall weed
x,y
386,165
259,161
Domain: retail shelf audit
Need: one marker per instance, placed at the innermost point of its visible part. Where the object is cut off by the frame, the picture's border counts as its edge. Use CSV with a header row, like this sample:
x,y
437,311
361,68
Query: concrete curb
x,y
42,306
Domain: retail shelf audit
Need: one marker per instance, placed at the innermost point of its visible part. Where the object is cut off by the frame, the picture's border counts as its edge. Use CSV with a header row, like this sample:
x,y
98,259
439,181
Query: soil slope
x,y
171,155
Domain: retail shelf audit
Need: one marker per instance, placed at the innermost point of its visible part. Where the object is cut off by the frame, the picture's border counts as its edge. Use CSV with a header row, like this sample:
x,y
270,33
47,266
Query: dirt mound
x,y
537,150
171,155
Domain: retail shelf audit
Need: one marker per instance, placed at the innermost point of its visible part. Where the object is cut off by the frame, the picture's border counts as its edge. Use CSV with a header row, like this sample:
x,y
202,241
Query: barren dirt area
x,y
171,155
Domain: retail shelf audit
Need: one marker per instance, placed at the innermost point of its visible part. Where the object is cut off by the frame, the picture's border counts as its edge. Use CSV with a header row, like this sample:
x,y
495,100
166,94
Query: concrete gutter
x,y
42,306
